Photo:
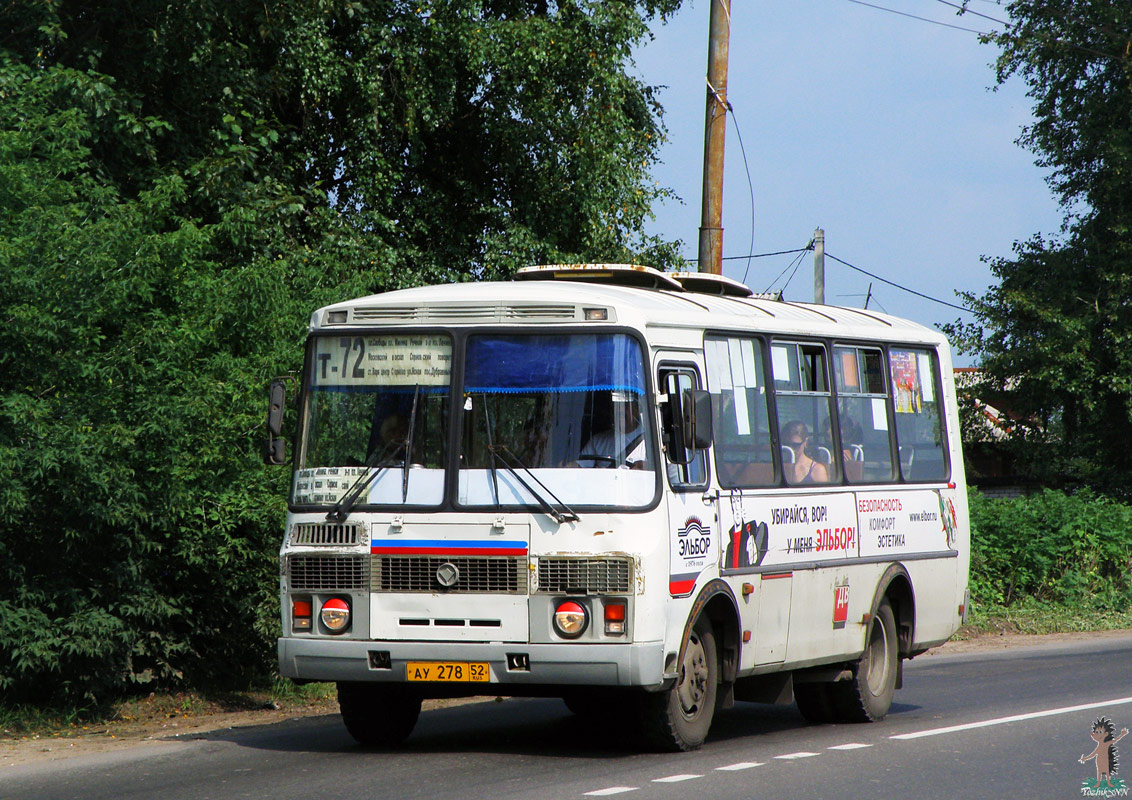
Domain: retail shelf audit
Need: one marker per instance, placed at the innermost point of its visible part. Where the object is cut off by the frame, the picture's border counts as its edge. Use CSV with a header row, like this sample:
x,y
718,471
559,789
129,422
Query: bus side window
x,y
804,403
744,456
862,411
674,382
919,418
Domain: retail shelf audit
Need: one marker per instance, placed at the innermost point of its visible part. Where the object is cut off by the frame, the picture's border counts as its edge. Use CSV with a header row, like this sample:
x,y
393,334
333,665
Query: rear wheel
x,y
868,696
378,715
679,718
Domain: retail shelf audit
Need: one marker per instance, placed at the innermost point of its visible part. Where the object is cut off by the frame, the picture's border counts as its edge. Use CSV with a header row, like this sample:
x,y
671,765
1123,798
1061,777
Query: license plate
x,y
448,671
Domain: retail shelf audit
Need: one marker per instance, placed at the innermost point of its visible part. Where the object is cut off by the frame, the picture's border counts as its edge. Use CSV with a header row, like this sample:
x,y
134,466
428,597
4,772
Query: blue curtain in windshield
x,y
565,363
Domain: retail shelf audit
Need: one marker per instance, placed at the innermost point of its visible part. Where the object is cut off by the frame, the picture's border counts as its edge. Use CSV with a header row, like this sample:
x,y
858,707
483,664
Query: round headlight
x,y
335,614
570,619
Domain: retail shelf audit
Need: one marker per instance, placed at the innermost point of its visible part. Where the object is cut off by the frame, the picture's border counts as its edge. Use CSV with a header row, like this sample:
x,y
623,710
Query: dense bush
x,y
181,184
1069,549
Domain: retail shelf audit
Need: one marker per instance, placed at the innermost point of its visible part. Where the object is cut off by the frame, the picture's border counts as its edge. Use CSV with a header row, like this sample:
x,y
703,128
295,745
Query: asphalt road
x,y
982,724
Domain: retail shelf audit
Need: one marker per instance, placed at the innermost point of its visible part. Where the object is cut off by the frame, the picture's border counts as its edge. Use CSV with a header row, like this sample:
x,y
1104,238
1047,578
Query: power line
x,y
750,186
757,255
795,263
995,37
897,285
964,10
921,19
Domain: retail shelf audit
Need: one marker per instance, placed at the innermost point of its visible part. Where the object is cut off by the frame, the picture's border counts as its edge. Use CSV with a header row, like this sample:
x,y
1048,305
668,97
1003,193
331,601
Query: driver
x,y
624,445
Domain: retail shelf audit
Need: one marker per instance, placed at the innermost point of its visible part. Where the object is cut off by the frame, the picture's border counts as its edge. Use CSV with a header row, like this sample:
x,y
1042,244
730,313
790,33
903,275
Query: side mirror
x,y
696,419
275,447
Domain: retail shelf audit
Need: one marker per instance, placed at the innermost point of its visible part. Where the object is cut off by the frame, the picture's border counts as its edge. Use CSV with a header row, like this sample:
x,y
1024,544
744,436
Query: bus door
x,y
693,524
745,468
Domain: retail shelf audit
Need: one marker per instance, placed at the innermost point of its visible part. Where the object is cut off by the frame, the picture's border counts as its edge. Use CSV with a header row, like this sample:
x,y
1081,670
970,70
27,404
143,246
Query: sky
x,y
883,130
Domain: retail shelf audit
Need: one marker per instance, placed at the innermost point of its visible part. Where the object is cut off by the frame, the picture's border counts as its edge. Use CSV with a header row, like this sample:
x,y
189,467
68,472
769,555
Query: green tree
x,y
180,185
1054,335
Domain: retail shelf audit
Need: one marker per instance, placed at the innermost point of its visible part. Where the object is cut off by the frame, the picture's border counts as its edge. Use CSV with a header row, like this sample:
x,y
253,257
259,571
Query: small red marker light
x,y
301,615
615,618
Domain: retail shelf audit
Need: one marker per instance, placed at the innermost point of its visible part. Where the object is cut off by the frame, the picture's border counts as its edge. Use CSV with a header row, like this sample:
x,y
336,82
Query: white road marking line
x,y
1016,718
611,790
740,765
850,746
676,778
803,754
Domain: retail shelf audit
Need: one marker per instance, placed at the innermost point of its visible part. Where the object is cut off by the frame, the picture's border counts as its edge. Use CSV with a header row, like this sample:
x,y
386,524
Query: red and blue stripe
x,y
447,547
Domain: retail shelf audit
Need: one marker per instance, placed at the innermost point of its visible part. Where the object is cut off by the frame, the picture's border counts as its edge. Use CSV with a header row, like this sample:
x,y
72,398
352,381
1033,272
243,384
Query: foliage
x,y
1054,548
1054,334
181,184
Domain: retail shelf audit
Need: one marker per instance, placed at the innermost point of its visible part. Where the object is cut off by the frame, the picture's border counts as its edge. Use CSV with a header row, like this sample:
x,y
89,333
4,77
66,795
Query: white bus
x,y
634,490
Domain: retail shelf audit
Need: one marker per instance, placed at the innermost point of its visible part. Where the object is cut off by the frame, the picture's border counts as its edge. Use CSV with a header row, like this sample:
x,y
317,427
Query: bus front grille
x,y
472,574
323,533
584,575
327,573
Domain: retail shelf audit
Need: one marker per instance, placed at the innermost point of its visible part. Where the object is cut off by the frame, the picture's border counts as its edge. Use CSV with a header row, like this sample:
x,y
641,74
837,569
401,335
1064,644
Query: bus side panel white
x,y
827,608
937,612
774,618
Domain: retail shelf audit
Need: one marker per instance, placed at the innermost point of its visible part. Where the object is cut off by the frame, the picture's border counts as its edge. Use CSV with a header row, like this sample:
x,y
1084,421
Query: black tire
x,y
378,715
679,718
868,696
815,702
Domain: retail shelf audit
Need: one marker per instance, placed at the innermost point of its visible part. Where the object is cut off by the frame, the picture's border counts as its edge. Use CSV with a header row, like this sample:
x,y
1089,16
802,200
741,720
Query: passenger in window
x,y
805,468
851,436
623,446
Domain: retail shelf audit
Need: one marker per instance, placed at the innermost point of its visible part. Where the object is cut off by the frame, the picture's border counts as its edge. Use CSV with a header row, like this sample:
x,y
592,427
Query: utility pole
x,y
819,266
711,216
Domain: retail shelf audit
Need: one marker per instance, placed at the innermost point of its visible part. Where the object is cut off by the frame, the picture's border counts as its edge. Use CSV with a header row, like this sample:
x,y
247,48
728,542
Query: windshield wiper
x,y
345,504
409,445
347,501
558,511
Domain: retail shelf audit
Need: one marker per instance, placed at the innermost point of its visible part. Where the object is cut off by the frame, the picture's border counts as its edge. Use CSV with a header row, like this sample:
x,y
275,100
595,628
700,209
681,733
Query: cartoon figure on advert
x,y
1104,754
746,541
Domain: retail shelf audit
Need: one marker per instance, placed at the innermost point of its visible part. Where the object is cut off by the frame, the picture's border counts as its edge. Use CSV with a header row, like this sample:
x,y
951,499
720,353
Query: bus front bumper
x,y
572,664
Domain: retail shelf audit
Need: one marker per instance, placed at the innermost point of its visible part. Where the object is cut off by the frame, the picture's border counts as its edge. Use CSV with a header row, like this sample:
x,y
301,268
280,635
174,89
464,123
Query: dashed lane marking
x,y
676,778
1016,718
850,746
740,766
611,791
792,756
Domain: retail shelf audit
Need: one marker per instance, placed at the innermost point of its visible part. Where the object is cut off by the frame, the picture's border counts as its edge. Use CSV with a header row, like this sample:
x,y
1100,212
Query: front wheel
x,y
868,696
378,715
679,718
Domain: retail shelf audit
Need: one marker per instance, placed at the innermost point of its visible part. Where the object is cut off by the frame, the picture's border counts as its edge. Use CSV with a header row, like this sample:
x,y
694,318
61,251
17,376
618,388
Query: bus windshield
x,y
376,403
555,416
547,420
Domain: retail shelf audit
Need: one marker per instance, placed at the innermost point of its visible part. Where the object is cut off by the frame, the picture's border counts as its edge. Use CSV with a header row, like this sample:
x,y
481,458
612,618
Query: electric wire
x,y
922,19
750,188
797,266
755,255
897,285
964,10
795,263
990,37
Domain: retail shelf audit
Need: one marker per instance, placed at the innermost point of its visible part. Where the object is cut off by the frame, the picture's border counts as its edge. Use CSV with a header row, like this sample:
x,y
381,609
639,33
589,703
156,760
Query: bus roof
x,y
540,297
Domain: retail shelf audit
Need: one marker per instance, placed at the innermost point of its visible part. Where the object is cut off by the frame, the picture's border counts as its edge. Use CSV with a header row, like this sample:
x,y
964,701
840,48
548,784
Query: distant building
x,y
988,426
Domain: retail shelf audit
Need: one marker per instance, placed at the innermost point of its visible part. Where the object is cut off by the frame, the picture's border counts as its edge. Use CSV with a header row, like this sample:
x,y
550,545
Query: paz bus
x,y
646,493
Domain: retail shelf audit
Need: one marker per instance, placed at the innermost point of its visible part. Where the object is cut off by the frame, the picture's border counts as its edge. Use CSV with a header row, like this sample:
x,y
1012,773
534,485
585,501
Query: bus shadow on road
x,y
519,726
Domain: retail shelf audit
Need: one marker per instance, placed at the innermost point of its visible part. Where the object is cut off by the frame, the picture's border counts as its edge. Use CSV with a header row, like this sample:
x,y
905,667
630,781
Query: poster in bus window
x,y
906,386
